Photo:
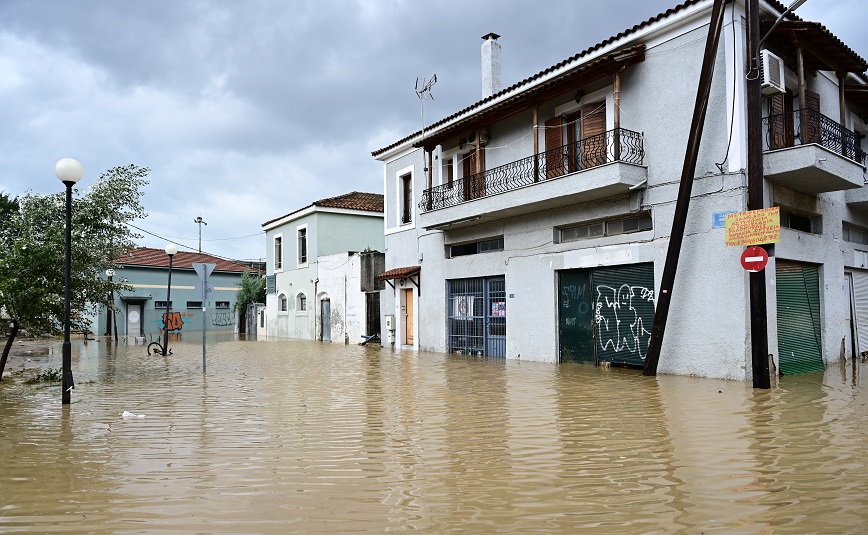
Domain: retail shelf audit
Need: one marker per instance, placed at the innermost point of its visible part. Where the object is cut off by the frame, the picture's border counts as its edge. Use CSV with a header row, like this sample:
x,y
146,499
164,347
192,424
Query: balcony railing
x,y
618,145
810,126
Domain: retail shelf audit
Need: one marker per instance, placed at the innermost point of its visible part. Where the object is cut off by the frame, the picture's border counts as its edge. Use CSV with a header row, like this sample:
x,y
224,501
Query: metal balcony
x,y
811,153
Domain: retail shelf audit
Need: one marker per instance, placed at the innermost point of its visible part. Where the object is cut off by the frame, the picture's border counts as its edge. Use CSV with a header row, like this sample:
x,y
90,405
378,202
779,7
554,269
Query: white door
x,y
134,319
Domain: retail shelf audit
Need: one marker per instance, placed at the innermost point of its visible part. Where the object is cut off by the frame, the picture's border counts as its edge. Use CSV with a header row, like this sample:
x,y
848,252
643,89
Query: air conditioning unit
x,y
771,73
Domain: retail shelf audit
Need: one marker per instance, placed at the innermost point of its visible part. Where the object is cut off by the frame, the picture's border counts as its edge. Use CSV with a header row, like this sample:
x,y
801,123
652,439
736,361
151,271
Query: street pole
x,y
171,249
200,222
679,223
759,337
69,172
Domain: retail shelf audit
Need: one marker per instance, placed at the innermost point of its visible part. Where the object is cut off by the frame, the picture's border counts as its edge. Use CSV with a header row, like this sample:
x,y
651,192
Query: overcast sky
x,y
245,111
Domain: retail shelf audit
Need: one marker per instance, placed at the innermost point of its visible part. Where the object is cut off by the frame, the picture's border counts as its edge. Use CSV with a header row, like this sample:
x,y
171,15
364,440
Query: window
x,y
281,303
221,304
855,235
194,304
801,222
302,245
406,198
448,176
278,252
604,228
302,302
161,304
482,246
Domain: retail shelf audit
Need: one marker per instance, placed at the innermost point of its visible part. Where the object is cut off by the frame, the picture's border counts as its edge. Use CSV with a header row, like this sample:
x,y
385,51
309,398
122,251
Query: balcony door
x,y
474,174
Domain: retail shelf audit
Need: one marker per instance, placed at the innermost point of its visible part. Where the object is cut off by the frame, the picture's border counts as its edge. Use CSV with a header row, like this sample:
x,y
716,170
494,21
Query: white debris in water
x,y
127,415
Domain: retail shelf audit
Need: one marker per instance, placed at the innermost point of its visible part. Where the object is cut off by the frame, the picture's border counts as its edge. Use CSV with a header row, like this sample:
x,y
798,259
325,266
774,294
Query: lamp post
x,y
171,249
69,172
109,312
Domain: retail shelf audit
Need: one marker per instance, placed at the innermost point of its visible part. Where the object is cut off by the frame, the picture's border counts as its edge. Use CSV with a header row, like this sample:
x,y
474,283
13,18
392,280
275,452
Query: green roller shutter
x,y
623,312
798,295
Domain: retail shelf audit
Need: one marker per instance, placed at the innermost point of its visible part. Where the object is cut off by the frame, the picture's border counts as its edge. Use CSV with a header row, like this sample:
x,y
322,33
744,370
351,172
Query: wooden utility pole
x,y
759,336
664,296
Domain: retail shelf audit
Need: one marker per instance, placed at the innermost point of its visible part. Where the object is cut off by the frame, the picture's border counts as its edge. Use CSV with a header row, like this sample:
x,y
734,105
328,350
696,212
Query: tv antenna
x,y
201,222
423,91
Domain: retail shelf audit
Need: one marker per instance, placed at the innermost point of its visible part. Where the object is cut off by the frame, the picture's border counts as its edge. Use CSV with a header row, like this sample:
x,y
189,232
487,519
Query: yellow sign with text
x,y
755,227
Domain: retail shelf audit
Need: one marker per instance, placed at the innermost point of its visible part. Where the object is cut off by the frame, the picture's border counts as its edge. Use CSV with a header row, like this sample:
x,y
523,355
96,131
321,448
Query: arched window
x,y
301,301
282,304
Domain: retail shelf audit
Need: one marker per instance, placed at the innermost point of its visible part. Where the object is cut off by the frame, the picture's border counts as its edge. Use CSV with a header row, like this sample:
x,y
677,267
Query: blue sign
x,y
718,220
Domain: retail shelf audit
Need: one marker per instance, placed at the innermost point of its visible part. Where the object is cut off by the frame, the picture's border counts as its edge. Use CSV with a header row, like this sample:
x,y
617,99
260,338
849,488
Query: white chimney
x,y
490,65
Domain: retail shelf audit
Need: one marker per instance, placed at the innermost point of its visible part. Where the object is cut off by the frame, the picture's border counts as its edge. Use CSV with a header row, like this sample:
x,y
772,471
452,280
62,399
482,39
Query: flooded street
x,y
302,437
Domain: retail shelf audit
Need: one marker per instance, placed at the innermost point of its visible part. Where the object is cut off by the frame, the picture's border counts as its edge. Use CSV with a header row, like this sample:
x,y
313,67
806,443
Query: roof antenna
x,y
423,91
201,222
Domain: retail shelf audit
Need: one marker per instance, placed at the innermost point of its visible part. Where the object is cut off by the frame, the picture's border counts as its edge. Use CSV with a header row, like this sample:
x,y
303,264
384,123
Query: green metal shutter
x,y
798,295
623,312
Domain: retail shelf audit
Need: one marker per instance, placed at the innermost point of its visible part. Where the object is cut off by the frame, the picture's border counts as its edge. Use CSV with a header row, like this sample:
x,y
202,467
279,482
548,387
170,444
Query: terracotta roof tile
x,y
529,82
400,273
146,256
356,200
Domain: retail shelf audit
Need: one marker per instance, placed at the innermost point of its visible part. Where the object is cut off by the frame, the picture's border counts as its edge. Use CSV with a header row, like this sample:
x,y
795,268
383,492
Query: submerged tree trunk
x,y
6,348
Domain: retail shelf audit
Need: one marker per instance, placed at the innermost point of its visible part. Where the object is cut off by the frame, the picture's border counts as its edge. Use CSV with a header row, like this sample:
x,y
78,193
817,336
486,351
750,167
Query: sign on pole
x,y
754,259
205,289
754,227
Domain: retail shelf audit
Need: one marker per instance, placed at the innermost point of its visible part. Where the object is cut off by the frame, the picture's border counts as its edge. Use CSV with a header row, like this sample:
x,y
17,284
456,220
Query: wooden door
x,y
594,148
554,155
408,317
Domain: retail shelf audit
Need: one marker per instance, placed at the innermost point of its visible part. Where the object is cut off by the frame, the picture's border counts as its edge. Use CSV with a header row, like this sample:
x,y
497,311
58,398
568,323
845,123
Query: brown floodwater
x,y
304,437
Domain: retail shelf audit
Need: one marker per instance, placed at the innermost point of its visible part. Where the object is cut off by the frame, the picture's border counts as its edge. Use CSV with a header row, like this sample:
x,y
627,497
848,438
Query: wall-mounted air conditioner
x,y
771,73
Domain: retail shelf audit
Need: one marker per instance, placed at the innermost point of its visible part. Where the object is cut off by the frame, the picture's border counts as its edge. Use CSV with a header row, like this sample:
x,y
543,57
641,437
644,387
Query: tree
x,y
33,249
252,290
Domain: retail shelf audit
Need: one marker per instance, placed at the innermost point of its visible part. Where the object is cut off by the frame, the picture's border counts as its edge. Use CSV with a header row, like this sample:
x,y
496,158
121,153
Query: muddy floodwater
x,y
304,437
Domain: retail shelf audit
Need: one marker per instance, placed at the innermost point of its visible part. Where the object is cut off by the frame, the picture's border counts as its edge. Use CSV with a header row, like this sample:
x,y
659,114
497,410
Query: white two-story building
x,y
534,224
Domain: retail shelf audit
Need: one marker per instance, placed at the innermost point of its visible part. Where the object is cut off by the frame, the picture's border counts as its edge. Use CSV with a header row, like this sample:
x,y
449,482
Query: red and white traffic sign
x,y
754,259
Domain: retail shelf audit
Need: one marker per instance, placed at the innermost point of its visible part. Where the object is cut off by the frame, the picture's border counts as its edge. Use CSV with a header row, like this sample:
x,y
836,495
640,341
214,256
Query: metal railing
x,y
618,145
810,126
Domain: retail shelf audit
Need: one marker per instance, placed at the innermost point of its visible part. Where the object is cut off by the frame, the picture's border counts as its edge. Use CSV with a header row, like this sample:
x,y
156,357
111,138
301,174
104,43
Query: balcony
x,y
592,168
810,153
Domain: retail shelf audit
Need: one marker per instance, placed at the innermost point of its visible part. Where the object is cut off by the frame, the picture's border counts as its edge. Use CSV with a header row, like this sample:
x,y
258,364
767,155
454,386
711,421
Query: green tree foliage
x,y
251,290
33,248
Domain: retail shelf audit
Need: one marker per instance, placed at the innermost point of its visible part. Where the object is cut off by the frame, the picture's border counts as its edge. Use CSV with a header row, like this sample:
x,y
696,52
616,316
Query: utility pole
x,y
200,222
676,237
759,336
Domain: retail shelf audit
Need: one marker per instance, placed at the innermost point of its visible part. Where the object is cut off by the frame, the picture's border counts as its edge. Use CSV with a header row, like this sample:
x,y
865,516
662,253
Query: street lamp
x,y
171,249
69,172
110,312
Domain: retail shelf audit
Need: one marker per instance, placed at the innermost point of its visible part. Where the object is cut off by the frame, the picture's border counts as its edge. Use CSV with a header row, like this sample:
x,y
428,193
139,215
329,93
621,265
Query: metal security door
x,y
575,317
476,312
326,307
495,293
798,296
860,301
623,312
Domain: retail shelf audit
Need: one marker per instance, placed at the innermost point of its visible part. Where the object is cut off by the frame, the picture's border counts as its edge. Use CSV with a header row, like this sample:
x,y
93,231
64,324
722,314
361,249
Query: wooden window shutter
x,y
810,118
554,155
594,147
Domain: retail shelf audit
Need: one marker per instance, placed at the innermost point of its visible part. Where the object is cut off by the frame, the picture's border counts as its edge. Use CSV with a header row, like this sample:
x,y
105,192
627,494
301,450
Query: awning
x,y
400,273
822,50
135,298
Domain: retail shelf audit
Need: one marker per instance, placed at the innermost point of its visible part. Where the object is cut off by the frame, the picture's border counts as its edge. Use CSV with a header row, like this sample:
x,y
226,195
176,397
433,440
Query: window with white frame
x,y
282,304
302,244
406,199
278,252
301,301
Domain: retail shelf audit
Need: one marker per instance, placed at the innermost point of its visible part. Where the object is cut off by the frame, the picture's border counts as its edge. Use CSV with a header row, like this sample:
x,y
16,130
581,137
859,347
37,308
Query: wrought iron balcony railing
x,y
810,126
618,145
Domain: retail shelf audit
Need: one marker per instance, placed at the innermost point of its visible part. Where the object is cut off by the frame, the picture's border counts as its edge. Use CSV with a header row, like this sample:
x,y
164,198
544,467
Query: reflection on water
x,y
302,437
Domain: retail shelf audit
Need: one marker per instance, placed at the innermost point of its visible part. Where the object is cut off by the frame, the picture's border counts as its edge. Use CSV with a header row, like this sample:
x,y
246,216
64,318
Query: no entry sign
x,y
754,258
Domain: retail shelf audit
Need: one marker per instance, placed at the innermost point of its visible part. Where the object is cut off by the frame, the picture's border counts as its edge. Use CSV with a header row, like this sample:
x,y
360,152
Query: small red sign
x,y
754,259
